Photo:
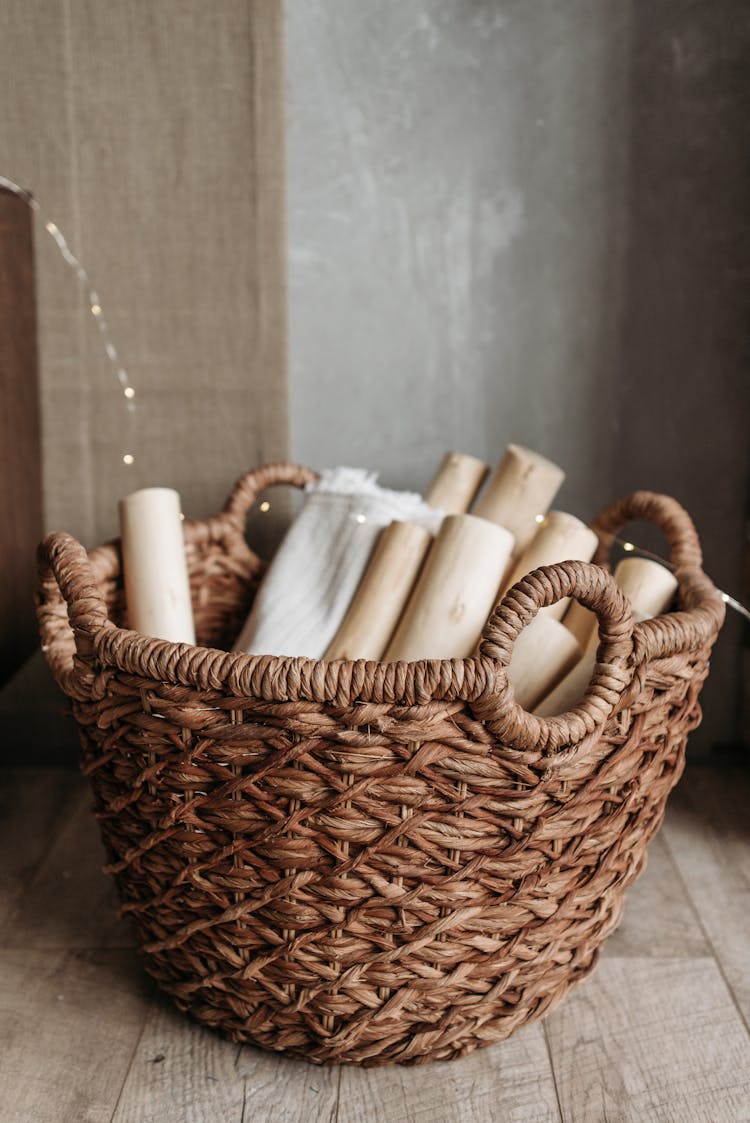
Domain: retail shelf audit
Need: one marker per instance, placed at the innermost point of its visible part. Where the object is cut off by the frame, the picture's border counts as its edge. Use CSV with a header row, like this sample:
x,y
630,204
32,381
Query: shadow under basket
x,y
361,862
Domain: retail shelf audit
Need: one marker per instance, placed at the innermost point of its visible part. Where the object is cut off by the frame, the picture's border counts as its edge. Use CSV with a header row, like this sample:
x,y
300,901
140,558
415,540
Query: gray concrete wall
x,y
456,182
527,221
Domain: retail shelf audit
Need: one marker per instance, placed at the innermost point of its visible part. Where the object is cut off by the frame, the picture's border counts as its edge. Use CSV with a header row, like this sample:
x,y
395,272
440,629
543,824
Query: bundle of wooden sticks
x,y
422,596
430,599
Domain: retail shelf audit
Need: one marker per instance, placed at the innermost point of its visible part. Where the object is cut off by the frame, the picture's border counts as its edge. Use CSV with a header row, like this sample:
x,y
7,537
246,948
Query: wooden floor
x,y
659,1032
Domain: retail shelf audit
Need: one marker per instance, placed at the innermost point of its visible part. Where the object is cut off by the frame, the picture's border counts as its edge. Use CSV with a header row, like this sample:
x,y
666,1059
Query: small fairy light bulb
x,y
51,228
128,459
129,392
265,506
96,309
628,546
539,518
361,519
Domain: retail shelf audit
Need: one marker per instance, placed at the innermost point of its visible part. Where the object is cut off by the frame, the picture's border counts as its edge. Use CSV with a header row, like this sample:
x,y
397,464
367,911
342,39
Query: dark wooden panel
x,y
20,461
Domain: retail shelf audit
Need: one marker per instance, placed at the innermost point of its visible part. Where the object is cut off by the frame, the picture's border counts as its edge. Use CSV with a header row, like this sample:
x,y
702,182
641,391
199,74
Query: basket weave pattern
x,y
370,862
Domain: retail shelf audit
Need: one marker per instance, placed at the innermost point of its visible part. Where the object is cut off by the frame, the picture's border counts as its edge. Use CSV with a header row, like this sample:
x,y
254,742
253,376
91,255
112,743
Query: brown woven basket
x,y
371,862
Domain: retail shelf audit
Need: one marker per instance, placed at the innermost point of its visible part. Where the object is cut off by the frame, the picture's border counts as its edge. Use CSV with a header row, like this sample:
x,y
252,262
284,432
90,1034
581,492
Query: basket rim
x,y
70,574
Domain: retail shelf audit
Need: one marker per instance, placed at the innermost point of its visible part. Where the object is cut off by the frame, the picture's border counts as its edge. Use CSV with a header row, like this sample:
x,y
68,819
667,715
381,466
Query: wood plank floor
x,y
659,1032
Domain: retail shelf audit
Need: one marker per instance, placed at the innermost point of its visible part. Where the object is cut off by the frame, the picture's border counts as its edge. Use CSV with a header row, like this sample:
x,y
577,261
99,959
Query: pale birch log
x,y
383,591
455,591
157,589
650,587
580,621
522,487
543,653
561,537
456,483
572,688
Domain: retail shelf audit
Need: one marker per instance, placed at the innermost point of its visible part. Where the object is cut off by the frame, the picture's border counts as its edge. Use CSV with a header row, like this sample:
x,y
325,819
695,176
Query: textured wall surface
x,y
527,221
151,134
456,181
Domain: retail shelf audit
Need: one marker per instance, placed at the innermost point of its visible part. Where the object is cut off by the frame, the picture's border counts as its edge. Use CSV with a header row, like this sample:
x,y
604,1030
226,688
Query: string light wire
x,y
94,302
729,601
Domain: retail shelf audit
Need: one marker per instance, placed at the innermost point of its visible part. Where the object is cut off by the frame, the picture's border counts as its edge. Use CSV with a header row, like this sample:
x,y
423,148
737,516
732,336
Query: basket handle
x,y
248,487
65,571
68,599
597,590
661,510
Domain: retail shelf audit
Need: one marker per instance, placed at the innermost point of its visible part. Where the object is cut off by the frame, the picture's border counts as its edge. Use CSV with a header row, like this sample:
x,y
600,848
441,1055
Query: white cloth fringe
x,y
310,583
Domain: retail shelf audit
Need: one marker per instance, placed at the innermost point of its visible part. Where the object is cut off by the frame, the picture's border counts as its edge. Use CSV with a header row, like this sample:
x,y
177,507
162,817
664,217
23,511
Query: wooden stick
x,y
455,591
561,537
573,686
651,588
383,591
157,589
456,483
379,602
543,654
580,621
522,487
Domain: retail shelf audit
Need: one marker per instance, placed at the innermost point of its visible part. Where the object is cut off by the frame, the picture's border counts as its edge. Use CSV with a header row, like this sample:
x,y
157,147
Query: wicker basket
x,y
370,862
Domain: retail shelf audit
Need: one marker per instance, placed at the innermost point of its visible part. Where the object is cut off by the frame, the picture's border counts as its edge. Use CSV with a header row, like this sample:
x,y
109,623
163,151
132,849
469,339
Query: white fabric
x,y
310,583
